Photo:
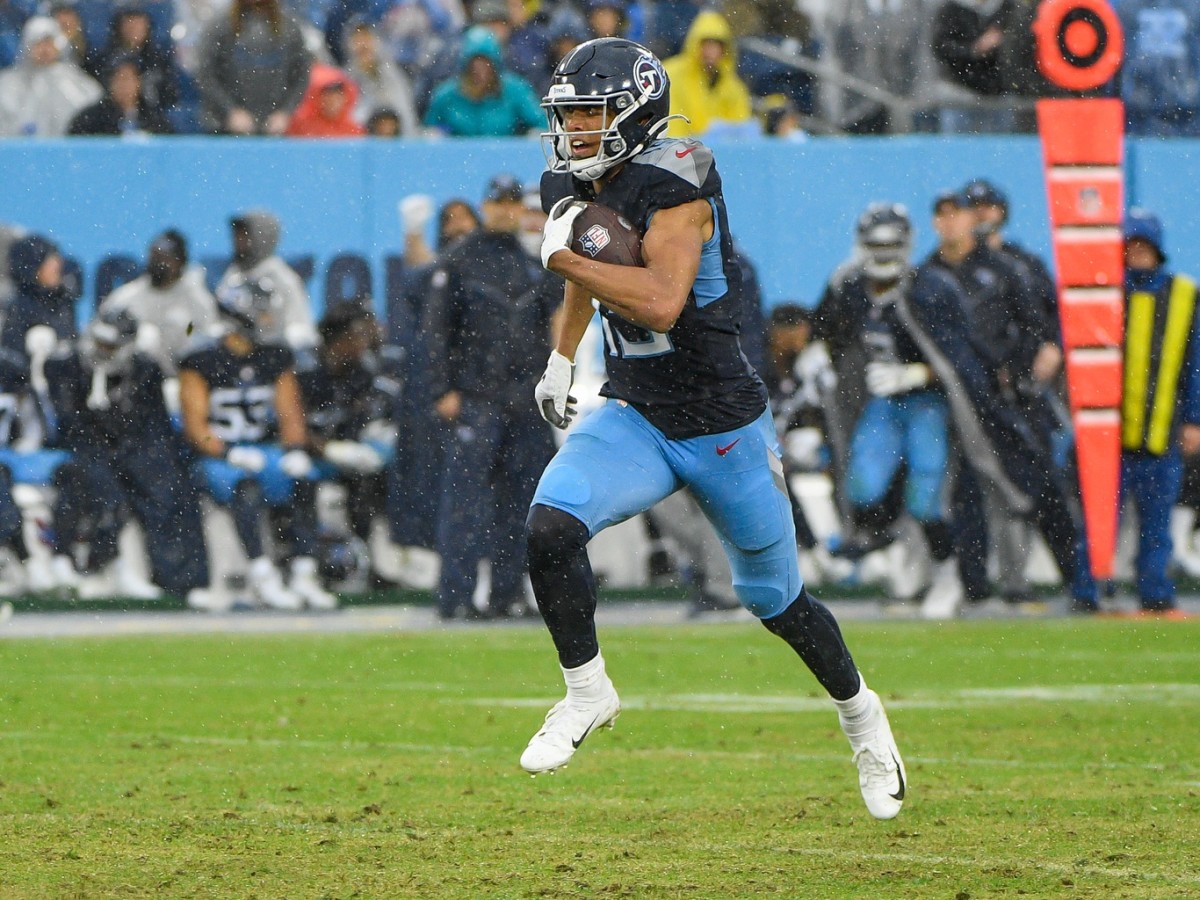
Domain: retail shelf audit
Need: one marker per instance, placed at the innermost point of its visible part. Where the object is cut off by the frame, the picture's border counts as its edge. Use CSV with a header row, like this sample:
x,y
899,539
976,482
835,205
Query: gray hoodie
x,y
264,265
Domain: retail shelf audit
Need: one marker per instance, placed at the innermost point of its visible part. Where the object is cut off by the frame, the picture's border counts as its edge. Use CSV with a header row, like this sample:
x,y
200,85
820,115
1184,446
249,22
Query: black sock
x,y
246,508
563,582
937,536
811,630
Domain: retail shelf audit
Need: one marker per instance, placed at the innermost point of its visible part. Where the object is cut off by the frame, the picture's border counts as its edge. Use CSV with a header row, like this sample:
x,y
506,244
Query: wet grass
x,y
1046,759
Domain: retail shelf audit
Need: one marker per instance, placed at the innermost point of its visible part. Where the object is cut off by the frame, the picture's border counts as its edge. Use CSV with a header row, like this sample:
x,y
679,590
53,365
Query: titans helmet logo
x,y
649,76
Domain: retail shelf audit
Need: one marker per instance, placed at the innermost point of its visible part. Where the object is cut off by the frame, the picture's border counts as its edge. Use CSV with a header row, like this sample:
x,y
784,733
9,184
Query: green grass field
x,y
1053,758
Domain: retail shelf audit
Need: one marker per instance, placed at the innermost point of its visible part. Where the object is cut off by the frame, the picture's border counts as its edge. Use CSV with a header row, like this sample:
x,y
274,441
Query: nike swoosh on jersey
x,y
680,154
576,742
721,451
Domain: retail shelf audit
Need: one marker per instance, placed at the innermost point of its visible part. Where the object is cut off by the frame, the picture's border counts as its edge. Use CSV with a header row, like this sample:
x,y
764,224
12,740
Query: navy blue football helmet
x,y
884,238
628,81
250,306
110,339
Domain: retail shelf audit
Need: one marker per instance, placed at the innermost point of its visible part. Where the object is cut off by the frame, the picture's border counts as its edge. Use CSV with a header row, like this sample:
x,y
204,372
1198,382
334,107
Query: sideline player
x,y
684,410
905,419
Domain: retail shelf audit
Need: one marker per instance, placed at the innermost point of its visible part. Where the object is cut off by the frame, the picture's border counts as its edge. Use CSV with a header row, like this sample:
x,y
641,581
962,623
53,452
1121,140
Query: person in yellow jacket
x,y
705,86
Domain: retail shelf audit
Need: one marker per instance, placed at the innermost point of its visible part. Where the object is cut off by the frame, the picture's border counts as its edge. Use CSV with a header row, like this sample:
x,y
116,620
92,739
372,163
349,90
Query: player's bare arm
x,y
193,400
652,295
572,319
293,430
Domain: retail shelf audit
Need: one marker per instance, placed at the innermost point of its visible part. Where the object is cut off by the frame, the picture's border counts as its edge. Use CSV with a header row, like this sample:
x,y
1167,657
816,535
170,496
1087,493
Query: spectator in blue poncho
x,y
484,100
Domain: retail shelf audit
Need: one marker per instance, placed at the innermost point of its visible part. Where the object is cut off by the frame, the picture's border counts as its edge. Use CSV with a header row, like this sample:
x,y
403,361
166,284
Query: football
x,y
602,234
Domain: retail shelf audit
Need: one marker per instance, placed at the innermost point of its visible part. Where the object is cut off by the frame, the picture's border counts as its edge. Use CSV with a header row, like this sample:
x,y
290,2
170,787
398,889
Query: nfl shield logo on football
x,y
594,240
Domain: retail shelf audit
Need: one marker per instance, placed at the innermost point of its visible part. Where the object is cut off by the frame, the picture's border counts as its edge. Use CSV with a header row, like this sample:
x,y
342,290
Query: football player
x,y
685,410
904,420
126,461
349,391
243,416
24,460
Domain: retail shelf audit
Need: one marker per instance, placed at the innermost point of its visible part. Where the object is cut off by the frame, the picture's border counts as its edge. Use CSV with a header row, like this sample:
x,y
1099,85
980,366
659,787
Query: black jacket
x,y
105,118
487,319
956,27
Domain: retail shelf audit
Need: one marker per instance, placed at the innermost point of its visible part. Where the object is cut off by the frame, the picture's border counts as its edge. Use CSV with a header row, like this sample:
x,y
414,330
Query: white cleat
x,y
567,724
39,578
267,587
907,575
881,775
62,570
945,597
306,584
207,600
130,582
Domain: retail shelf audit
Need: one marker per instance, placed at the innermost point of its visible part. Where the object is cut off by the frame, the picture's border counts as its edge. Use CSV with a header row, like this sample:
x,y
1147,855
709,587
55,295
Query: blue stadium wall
x,y
792,206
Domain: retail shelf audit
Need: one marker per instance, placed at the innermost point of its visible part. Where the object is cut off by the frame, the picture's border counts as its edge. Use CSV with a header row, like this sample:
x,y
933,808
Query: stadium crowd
x,y
423,68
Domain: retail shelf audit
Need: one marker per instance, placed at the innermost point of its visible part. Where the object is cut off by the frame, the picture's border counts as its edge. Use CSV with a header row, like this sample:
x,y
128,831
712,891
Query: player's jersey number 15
x,y
626,341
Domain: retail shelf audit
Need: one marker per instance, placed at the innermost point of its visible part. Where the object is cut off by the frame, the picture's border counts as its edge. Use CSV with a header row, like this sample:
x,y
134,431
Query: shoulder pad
x,y
555,186
844,274
686,159
202,345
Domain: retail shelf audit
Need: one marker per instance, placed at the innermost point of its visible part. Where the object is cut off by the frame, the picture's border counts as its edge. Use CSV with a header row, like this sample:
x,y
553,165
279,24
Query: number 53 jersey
x,y
241,389
694,379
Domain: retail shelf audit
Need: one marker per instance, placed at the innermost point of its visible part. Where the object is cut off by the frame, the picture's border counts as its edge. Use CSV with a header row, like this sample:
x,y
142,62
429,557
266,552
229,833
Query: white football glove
x,y
415,212
556,233
885,379
553,392
40,341
354,457
295,464
251,459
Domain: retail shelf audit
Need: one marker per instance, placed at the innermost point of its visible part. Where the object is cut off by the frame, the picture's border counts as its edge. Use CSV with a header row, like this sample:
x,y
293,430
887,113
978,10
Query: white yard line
x,y
959,699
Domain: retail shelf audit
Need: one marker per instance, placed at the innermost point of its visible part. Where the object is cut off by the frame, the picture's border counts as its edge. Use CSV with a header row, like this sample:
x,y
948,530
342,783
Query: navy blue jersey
x,y
14,387
694,379
132,412
339,405
847,315
241,389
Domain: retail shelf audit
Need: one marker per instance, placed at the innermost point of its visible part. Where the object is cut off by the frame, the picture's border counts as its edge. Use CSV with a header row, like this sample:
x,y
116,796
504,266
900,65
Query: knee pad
x,y
552,533
766,580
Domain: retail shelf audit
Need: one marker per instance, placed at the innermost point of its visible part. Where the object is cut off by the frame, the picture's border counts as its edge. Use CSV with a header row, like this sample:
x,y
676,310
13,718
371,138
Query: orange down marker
x,y
1079,47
